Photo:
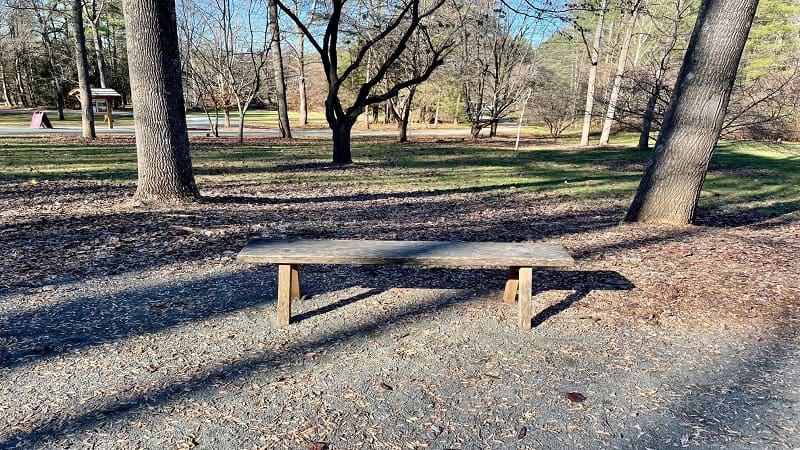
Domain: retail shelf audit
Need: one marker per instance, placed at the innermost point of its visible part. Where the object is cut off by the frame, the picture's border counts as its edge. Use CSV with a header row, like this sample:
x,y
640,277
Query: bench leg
x,y
525,304
284,294
512,285
295,293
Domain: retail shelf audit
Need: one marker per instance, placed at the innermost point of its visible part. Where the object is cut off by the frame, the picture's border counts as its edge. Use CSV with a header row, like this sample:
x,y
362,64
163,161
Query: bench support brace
x,y
512,285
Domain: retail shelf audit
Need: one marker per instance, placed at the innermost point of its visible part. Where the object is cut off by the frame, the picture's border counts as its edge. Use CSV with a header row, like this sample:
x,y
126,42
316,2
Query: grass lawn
x,y
743,175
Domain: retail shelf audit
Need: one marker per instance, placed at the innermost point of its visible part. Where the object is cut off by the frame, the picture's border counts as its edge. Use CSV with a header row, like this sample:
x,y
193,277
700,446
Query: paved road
x,y
199,126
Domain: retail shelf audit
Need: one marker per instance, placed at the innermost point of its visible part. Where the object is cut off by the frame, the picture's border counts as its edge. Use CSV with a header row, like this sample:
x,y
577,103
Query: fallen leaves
x,y
575,397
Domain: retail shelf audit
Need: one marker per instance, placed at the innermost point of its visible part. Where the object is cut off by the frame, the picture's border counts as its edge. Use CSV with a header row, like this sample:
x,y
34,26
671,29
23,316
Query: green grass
x,y
743,176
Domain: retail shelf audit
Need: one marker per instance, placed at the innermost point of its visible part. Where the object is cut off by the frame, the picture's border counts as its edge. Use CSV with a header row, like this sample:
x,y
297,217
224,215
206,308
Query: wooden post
x,y
109,113
295,293
284,295
524,306
512,285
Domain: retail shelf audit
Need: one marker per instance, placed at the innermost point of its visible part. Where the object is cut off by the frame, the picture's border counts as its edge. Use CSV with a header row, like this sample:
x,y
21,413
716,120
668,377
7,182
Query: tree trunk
x,y
226,116
493,129
621,63
594,59
670,187
405,113
474,132
23,97
647,120
102,73
341,142
5,84
87,112
301,75
658,84
60,101
162,140
280,79
240,135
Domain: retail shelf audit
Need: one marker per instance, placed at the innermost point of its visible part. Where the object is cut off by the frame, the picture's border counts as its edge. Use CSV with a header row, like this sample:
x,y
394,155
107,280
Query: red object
x,y
36,120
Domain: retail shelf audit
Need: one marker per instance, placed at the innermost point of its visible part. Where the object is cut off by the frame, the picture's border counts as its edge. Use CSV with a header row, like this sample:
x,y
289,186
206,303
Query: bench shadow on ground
x,y
752,369
380,279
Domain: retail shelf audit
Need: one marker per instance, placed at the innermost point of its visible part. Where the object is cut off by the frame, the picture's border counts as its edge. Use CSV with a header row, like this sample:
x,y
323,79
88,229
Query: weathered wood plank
x,y
525,302
284,295
434,253
512,285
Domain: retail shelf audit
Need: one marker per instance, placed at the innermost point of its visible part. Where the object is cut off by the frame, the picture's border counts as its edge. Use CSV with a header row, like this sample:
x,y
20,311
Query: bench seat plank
x,y
433,253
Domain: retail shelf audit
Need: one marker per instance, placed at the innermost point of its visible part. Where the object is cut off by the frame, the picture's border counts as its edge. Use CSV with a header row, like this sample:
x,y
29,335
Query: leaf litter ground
x,y
134,327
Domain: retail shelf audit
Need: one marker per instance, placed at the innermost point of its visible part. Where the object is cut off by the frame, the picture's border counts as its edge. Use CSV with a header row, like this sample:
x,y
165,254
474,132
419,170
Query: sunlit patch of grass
x,y
742,175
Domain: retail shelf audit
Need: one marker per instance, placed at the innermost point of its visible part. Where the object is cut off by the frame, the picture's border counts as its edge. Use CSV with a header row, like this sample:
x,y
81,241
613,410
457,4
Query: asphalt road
x,y
199,126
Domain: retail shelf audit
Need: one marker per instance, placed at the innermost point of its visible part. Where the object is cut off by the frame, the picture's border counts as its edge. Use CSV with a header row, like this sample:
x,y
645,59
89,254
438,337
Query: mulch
x,y
127,326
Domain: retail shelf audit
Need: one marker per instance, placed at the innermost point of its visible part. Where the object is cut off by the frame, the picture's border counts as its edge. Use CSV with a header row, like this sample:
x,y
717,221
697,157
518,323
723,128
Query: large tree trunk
x,y
87,113
594,59
623,61
277,65
162,140
341,142
670,187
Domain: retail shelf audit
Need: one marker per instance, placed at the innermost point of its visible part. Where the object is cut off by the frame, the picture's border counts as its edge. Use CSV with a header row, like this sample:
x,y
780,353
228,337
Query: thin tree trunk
x,y
162,140
621,63
658,84
60,101
594,59
102,72
405,113
280,79
242,112
87,112
301,72
5,84
672,181
457,108
23,97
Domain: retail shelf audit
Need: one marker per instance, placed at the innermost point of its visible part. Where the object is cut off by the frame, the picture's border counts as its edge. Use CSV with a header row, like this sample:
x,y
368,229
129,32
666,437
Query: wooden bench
x,y
520,257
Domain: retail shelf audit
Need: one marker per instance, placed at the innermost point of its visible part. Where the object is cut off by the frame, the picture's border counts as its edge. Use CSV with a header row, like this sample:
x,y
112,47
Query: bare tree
x,y
228,53
670,187
82,61
402,22
277,68
94,12
622,61
594,60
663,65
